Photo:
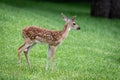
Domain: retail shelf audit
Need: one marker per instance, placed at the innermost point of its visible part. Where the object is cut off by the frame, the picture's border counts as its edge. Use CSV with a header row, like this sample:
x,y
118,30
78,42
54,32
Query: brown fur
x,y
53,38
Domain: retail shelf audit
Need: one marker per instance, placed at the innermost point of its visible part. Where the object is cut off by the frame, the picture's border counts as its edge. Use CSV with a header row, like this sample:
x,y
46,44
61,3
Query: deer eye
x,y
73,23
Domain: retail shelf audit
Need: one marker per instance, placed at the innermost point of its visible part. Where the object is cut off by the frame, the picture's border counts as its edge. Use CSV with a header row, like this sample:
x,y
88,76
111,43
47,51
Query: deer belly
x,y
40,40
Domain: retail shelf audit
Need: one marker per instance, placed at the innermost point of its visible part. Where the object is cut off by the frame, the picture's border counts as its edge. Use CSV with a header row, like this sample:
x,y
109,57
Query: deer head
x,y
71,22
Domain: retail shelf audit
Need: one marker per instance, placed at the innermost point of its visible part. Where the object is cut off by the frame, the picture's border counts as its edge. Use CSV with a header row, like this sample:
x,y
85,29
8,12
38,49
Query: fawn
x,y
53,38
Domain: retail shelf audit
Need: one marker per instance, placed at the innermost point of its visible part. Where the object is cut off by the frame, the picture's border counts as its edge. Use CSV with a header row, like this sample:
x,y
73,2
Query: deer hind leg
x,y
20,49
26,52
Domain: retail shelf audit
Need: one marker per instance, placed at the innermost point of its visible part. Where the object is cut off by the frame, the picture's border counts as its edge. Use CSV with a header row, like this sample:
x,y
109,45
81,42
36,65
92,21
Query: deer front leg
x,y
53,56
51,53
48,57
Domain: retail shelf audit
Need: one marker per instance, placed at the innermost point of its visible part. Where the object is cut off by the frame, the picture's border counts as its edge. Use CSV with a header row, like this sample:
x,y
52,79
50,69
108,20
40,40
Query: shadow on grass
x,y
118,60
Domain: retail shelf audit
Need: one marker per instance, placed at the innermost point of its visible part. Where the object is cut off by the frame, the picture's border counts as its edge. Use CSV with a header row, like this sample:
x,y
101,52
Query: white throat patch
x,y
69,29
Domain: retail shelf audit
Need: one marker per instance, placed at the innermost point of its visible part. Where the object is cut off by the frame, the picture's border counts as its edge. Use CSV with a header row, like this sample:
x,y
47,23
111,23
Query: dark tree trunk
x,y
115,9
100,8
105,8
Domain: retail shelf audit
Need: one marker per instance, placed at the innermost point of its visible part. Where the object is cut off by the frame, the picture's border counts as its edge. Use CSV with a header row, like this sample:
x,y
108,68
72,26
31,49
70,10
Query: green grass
x,y
93,53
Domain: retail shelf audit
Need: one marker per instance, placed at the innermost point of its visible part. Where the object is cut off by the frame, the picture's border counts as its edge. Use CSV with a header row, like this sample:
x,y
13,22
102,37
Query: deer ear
x,y
73,18
64,17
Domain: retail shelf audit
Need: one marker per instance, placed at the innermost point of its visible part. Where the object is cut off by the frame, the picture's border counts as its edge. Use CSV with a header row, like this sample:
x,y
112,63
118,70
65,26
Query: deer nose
x,y
78,28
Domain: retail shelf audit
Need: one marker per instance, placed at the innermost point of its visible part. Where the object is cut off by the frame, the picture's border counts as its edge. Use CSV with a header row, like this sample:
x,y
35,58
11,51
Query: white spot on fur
x,y
25,50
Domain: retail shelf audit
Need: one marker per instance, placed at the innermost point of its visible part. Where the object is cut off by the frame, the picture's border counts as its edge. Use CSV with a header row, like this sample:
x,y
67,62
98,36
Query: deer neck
x,y
65,30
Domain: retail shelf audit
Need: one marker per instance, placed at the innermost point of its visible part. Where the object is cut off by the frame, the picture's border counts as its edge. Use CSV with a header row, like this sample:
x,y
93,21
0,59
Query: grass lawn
x,y
93,53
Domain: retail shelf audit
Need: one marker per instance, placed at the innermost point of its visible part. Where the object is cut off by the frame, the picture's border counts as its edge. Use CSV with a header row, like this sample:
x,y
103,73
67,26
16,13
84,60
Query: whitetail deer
x,y
53,38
